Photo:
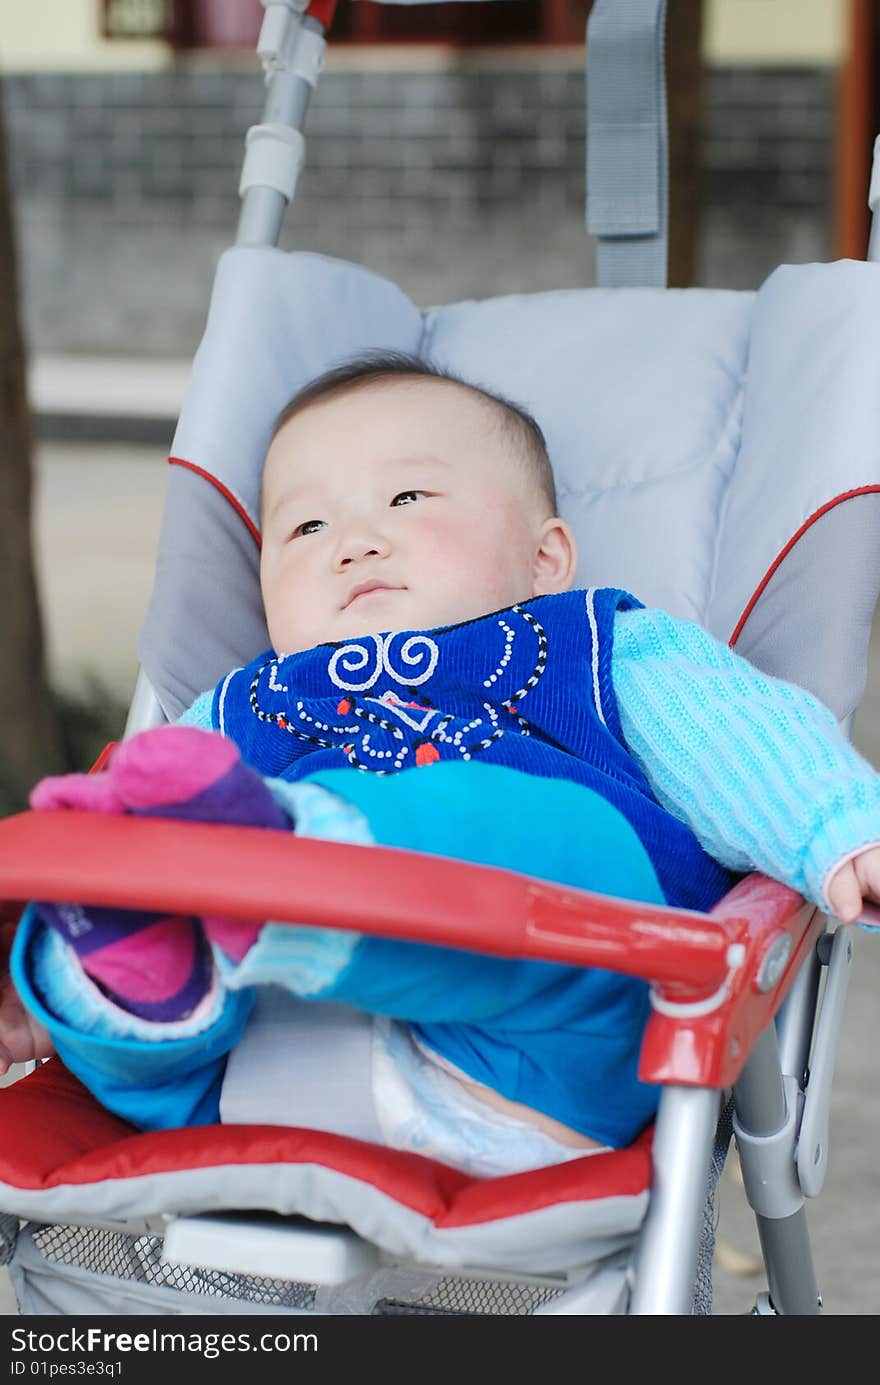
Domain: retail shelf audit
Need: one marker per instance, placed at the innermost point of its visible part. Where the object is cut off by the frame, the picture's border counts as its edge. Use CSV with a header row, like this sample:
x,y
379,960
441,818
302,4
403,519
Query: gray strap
x,y
300,1063
627,191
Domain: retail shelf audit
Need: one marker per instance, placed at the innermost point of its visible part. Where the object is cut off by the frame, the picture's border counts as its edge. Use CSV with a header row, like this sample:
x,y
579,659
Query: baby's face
x,y
400,505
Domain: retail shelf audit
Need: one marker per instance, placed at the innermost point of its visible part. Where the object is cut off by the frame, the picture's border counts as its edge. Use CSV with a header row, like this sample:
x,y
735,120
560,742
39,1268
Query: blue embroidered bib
x,y
529,687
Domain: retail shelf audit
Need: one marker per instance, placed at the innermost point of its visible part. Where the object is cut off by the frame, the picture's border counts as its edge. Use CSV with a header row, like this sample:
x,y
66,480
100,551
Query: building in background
x,y
445,150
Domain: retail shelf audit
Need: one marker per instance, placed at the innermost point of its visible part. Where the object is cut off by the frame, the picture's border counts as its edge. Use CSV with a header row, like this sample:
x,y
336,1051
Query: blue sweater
x,y
757,769
530,687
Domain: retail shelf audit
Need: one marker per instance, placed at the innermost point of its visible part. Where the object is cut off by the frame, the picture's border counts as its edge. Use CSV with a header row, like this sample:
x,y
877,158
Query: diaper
x,y
422,1107
332,1068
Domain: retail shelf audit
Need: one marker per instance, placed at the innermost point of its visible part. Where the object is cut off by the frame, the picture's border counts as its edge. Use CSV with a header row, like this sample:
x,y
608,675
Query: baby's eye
x,y
408,497
310,526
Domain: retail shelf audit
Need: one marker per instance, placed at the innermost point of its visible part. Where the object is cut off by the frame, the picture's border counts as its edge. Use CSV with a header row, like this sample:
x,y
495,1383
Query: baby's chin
x,y
381,619
384,617
393,616
386,613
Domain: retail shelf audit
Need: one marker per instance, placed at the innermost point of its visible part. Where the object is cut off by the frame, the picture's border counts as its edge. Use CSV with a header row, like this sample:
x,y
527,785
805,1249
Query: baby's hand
x,y
856,880
22,1038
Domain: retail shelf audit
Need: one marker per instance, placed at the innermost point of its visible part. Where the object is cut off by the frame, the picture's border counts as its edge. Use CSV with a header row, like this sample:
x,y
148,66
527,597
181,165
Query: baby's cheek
x,y
282,588
456,570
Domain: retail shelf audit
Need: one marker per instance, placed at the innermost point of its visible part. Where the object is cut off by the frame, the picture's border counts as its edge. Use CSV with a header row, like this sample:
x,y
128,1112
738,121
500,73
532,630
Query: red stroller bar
x,y
717,977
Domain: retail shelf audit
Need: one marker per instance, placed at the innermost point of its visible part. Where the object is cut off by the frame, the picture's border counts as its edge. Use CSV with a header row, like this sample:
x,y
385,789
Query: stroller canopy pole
x,y
627,176
873,201
291,50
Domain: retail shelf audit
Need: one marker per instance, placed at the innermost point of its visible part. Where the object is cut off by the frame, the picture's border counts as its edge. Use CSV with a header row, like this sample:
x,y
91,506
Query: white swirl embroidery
x,y
353,658
274,685
429,651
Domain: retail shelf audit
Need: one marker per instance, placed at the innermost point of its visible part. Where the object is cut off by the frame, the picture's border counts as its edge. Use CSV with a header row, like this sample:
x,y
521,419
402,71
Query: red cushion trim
x,y
323,11
63,1137
759,590
104,758
226,493
620,1173
57,1122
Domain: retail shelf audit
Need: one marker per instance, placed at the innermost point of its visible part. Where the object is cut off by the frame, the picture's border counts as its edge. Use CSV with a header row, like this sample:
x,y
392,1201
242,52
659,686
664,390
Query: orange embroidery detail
x,y
426,754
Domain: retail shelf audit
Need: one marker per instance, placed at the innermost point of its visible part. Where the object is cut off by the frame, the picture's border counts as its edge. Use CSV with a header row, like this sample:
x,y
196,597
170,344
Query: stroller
x,y
715,452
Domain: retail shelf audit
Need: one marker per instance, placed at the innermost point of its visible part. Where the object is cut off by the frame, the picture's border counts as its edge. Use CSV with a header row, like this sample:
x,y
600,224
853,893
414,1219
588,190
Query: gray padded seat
x,y
715,451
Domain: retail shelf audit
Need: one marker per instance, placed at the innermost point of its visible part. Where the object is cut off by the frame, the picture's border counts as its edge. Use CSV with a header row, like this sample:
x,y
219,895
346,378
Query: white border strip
x,y
594,653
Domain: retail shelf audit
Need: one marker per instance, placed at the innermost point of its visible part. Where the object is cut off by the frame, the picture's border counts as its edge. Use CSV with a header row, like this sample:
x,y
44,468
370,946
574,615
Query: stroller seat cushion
x,y
80,1162
697,436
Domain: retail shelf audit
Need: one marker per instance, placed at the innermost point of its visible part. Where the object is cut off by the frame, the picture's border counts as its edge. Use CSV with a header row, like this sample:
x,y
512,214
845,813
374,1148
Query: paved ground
x,y
98,510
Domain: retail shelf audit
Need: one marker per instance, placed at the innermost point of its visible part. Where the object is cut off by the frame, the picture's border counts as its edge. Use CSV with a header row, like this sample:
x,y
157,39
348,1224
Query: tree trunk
x,y
30,741
684,97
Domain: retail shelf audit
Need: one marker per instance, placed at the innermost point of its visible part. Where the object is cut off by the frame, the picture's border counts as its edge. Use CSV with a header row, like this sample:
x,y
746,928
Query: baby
x,y
572,735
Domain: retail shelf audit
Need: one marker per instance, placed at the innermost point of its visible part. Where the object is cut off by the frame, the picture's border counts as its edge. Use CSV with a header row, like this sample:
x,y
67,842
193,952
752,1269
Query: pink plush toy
x,y
159,966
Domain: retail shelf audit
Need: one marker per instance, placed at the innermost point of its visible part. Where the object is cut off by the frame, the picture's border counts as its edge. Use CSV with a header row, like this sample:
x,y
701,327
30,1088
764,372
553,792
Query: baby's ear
x,y
555,558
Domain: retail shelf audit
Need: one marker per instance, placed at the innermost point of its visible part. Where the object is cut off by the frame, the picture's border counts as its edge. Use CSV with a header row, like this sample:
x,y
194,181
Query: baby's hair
x,y
378,367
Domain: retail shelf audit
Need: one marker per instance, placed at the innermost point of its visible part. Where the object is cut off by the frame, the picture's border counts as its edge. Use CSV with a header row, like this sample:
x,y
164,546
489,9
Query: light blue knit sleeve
x,y
309,959
756,767
306,961
199,714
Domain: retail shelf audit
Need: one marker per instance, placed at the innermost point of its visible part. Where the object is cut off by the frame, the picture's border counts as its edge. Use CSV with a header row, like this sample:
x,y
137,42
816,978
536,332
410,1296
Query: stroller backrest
x,y
717,452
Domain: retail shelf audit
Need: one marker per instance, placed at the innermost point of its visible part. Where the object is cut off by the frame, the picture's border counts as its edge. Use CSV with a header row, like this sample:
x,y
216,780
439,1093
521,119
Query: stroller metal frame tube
x,y
262,214
762,1111
874,203
145,710
666,1259
286,104
785,1245
759,1095
796,1018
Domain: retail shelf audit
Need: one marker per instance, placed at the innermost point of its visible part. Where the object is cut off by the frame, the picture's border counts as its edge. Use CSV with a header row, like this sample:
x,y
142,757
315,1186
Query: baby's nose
x,y
356,557
357,546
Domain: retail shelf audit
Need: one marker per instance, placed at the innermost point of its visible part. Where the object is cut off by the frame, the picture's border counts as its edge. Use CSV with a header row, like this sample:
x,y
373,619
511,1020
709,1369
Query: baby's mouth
x,y
368,589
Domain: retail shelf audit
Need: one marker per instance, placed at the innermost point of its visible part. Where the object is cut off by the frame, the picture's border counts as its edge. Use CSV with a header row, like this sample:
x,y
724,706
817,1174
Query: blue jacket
x,y
529,687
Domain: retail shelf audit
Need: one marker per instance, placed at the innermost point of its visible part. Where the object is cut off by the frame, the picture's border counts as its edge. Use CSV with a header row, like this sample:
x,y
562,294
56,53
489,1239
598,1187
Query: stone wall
x,y
464,182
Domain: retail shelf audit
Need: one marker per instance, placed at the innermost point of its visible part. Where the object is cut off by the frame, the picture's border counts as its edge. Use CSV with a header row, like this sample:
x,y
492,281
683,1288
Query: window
x,y
236,23
137,18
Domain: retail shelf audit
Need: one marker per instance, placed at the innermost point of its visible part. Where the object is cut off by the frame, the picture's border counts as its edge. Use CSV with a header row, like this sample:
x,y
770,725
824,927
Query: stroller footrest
x,y
270,1246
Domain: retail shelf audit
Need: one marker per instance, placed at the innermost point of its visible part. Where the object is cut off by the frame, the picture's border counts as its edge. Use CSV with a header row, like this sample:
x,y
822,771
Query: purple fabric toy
x,y
156,966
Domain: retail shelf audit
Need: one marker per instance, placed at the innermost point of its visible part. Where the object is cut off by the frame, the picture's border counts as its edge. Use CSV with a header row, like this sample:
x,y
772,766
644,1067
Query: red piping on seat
x,y
759,590
226,493
323,11
83,1144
